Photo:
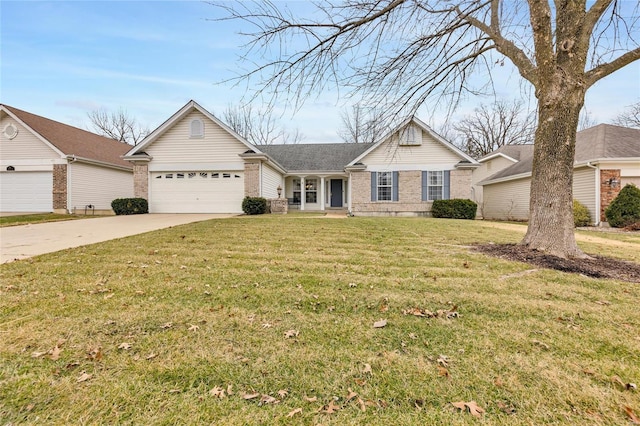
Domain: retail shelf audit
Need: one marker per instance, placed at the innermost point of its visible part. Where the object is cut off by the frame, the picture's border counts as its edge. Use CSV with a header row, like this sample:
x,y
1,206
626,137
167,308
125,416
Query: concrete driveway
x,y
20,242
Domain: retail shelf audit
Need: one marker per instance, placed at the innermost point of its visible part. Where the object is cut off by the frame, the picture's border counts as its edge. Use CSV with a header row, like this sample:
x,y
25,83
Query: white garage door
x,y
26,192
196,192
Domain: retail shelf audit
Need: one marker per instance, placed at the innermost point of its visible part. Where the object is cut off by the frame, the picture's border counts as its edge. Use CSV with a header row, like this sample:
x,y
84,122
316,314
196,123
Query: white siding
x,y
584,188
486,169
430,154
507,200
25,146
175,150
270,181
98,186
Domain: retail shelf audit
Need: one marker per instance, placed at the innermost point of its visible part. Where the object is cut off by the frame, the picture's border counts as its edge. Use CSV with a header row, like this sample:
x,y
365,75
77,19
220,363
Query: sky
x,y
63,59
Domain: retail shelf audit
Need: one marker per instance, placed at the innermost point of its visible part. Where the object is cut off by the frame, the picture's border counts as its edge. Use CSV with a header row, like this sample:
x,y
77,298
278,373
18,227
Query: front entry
x,y
336,192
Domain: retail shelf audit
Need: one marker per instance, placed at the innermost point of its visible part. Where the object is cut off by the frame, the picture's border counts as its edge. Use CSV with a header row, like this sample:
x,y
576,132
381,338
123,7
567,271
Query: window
x,y
180,175
196,128
215,175
311,190
226,175
296,191
435,185
385,186
411,135
192,175
169,176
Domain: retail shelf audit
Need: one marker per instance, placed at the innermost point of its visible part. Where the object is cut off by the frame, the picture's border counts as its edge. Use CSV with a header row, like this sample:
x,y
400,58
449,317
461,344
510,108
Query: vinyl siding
x,y
584,188
430,155
216,150
97,186
507,200
270,181
25,146
485,170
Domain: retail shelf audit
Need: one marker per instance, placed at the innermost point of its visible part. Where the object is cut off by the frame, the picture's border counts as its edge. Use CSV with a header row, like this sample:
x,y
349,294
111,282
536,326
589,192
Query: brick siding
x,y
60,187
409,194
141,181
607,191
251,179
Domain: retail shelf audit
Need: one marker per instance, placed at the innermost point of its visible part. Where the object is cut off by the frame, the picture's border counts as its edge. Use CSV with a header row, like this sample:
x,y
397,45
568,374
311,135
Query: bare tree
x,y
118,125
362,125
586,120
630,117
401,53
258,126
492,126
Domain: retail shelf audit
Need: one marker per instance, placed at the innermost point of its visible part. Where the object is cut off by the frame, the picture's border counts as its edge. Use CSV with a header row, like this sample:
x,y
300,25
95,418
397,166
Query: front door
x,y
336,192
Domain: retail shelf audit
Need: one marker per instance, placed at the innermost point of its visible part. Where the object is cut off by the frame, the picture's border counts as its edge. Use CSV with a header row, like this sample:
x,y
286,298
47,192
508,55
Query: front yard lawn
x,y
270,320
38,218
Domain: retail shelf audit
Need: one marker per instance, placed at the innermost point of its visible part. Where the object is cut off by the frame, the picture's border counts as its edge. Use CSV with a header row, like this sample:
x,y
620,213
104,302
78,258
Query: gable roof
x,y
601,142
179,115
466,158
510,152
328,157
71,141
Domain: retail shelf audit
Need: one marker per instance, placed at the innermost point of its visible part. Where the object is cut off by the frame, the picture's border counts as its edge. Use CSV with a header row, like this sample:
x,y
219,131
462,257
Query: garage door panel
x,y
196,192
26,192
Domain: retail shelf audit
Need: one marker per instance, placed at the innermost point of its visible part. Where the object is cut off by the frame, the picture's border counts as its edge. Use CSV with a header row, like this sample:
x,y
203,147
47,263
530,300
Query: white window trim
x,y
390,186
429,186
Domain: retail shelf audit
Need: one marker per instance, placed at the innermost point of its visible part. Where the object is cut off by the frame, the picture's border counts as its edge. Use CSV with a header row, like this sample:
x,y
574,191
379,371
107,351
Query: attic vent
x,y
10,131
196,129
411,135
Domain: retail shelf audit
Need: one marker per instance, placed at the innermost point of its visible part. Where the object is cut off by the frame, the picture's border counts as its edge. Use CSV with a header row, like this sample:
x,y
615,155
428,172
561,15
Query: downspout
x,y
72,160
597,191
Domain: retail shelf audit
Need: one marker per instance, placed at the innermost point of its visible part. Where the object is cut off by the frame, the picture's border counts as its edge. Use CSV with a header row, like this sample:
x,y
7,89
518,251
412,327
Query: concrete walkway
x,y
20,242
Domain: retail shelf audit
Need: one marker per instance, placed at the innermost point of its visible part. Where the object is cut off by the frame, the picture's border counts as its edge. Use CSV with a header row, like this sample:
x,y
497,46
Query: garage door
x,y
26,191
196,192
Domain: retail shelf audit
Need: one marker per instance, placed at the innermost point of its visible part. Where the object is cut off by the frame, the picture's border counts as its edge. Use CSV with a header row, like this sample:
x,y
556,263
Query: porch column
x,y
322,193
303,191
349,192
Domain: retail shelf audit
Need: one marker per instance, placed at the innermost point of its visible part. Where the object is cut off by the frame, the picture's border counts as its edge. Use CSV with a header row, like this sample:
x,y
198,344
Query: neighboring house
x,y
195,163
492,163
607,158
47,166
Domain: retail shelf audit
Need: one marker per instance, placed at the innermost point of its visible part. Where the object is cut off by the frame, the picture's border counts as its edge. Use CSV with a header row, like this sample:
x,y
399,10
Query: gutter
x,y
73,158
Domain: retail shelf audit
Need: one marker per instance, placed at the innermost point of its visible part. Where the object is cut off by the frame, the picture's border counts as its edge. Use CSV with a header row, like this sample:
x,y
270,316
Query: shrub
x,y
254,205
454,209
624,210
123,206
581,216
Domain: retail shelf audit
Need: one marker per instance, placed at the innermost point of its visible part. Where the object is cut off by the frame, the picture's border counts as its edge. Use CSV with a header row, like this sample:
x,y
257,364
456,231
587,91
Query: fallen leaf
x,y
248,396
443,372
379,324
217,392
125,346
603,302
193,327
268,399
38,354
362,405
151,356
508,409
443,360
282,393
384,308
294,412
83,377
367,369
360,382
267,325
474,409
95,354
310,399
166,325
331,408
291,334
632,416
230,390
541,344
351,395
55,353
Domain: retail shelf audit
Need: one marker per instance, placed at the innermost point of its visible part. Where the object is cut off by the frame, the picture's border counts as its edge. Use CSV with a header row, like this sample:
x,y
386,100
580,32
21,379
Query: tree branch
x,y
604,70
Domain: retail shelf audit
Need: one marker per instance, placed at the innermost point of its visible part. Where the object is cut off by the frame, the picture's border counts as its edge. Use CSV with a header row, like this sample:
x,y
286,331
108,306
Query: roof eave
x,y
74,158
504,179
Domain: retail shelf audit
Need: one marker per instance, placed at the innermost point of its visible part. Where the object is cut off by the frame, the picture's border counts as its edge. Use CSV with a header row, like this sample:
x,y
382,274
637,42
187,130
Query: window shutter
x,y
424,186
394,191
446,183
374,186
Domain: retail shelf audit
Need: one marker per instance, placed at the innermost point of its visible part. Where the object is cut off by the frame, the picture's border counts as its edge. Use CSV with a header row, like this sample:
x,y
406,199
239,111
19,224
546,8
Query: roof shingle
x,y
315,157
74,141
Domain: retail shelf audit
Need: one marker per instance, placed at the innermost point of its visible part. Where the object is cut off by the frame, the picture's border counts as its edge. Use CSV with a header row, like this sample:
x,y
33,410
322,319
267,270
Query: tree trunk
x,y
551,228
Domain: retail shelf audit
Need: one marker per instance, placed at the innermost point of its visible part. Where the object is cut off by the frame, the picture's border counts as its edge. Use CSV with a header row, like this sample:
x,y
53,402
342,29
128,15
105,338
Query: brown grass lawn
x,y
270,320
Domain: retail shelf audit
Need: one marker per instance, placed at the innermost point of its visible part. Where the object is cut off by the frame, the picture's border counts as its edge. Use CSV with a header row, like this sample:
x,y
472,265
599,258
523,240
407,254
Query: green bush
x,y
123,206
581,216
254,205
454,209
624,210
